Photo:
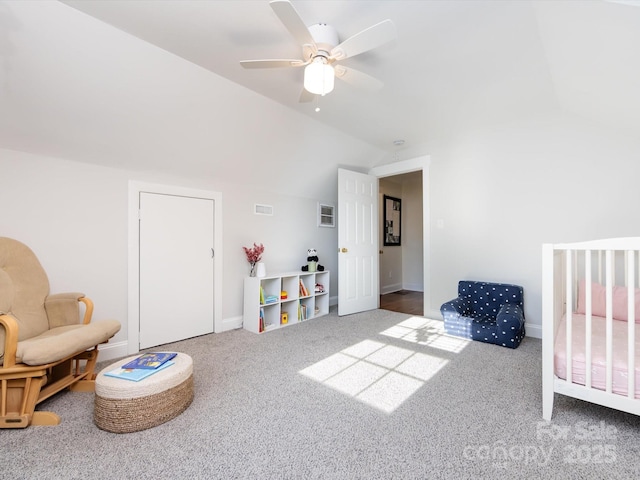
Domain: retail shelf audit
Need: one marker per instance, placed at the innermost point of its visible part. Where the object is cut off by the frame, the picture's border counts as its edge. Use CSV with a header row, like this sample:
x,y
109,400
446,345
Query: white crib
x,y
590,341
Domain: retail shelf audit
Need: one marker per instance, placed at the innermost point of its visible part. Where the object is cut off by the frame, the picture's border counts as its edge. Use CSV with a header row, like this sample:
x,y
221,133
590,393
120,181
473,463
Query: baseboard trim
x,y
533,330
112,351
232,323
413,287
390,288
433,315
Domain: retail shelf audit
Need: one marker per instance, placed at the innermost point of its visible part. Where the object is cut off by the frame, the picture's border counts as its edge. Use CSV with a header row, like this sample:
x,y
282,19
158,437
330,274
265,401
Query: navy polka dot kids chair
x,y
487,312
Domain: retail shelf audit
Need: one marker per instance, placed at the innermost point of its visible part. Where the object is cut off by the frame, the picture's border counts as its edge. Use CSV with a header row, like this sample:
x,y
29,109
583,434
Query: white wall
x,y
412,227
74,217
502,192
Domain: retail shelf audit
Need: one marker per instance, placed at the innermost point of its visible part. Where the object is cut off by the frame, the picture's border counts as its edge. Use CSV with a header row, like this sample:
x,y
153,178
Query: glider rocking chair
x,y
44,346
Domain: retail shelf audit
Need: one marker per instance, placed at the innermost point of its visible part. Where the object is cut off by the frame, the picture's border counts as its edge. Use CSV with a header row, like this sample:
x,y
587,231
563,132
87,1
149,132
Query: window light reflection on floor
x,y
380,375
426,331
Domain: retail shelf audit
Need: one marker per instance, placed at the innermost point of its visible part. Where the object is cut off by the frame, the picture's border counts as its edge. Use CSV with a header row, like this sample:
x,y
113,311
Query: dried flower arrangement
x,y
254,255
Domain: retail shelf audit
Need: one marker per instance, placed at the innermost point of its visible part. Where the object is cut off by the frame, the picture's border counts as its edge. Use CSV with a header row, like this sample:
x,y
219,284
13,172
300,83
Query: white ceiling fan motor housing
x,y
325,36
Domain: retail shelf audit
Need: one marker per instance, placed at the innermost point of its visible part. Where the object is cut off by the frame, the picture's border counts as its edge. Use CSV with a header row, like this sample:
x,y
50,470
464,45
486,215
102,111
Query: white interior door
x,y
358,282
176,268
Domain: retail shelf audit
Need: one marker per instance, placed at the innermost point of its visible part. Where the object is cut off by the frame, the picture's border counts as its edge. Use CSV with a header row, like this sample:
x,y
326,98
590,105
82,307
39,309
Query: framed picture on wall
x,y
392,208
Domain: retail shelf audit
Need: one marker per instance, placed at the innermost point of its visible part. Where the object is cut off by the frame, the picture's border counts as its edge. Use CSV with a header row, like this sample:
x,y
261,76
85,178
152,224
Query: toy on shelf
x,y
312,262
319,288
271,299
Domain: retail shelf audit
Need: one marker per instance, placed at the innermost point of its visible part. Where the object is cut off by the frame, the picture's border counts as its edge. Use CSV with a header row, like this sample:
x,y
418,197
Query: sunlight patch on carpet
x,y
426,331
380,375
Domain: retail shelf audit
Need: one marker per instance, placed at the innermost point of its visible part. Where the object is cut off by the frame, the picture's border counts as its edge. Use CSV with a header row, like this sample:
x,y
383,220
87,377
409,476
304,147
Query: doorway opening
x,y
401,265
404,268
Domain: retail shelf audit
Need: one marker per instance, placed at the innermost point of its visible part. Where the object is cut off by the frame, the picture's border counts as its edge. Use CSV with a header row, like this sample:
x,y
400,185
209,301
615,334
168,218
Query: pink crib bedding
x,y
598,353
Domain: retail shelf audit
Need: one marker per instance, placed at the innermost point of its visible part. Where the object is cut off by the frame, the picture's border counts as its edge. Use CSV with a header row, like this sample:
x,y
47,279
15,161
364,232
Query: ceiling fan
x,y
322,50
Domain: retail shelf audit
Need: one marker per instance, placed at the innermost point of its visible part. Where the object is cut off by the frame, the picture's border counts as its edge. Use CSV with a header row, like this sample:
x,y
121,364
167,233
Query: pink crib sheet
x,y
598,353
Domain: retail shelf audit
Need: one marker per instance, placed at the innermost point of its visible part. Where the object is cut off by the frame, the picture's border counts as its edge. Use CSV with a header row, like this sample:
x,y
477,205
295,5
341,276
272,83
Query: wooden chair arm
x,y
88,311
10,340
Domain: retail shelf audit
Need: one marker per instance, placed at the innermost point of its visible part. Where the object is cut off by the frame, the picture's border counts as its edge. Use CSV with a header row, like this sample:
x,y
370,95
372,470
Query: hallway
x,y
403,301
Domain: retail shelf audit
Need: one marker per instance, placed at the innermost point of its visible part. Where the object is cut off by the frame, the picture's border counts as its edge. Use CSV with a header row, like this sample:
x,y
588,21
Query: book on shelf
x,y
150,361
303,290
261,325
136,374
303,311
261,295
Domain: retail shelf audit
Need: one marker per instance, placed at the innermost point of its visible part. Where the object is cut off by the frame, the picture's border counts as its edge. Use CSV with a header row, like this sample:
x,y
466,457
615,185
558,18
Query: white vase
x,y
261,270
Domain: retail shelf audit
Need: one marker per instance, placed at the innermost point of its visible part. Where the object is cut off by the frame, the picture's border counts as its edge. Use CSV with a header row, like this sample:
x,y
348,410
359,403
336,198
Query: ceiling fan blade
x,y
367,39
292,21
306,96
357,78
271,63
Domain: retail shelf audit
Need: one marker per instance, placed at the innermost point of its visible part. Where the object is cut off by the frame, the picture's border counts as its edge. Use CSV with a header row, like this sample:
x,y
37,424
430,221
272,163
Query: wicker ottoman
x,y
123,406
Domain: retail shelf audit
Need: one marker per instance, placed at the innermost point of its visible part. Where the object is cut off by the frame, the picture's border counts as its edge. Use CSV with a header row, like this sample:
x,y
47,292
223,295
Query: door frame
x,y
421,163
133,311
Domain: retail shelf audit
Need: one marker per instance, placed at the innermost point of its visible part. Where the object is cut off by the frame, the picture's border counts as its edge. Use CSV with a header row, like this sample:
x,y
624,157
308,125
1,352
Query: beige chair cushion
x,y
23,289
62,309
62,342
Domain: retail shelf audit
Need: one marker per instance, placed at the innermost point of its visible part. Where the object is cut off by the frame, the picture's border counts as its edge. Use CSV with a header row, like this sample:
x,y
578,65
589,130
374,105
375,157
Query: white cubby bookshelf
x,y
296,306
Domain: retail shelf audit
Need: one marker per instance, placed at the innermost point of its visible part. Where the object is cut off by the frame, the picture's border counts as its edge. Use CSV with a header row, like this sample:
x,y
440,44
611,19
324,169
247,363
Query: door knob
x,y
344,250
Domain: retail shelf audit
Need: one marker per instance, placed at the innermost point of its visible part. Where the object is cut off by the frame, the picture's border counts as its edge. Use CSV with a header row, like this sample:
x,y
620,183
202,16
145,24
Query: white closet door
x,y
176,268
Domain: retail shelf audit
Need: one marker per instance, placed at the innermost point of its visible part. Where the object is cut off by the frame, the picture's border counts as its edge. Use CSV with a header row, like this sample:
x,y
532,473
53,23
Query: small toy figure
x,y
312,262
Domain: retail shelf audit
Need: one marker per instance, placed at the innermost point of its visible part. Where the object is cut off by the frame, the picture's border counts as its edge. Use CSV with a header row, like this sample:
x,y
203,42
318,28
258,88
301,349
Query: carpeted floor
x,y
376,395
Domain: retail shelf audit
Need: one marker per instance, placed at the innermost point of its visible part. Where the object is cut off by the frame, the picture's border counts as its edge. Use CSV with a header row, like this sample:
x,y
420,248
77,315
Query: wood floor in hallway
x,y
403,301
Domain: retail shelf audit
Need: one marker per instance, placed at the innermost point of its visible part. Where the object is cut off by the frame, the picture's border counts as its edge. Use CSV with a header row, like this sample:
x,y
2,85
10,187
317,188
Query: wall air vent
x,y
326,215
262,209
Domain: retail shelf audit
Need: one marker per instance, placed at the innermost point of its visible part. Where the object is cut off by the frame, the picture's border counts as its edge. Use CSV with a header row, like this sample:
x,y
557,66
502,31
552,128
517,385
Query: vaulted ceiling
x,y
454,64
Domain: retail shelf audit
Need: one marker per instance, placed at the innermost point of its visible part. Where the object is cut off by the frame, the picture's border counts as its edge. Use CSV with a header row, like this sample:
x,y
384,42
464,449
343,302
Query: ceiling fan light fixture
x,y
319,77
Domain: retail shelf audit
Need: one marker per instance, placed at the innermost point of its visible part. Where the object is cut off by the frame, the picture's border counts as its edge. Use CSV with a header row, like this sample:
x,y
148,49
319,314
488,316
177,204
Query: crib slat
x,y
609,319
600,269
569,309
631,325
626,264
588,294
